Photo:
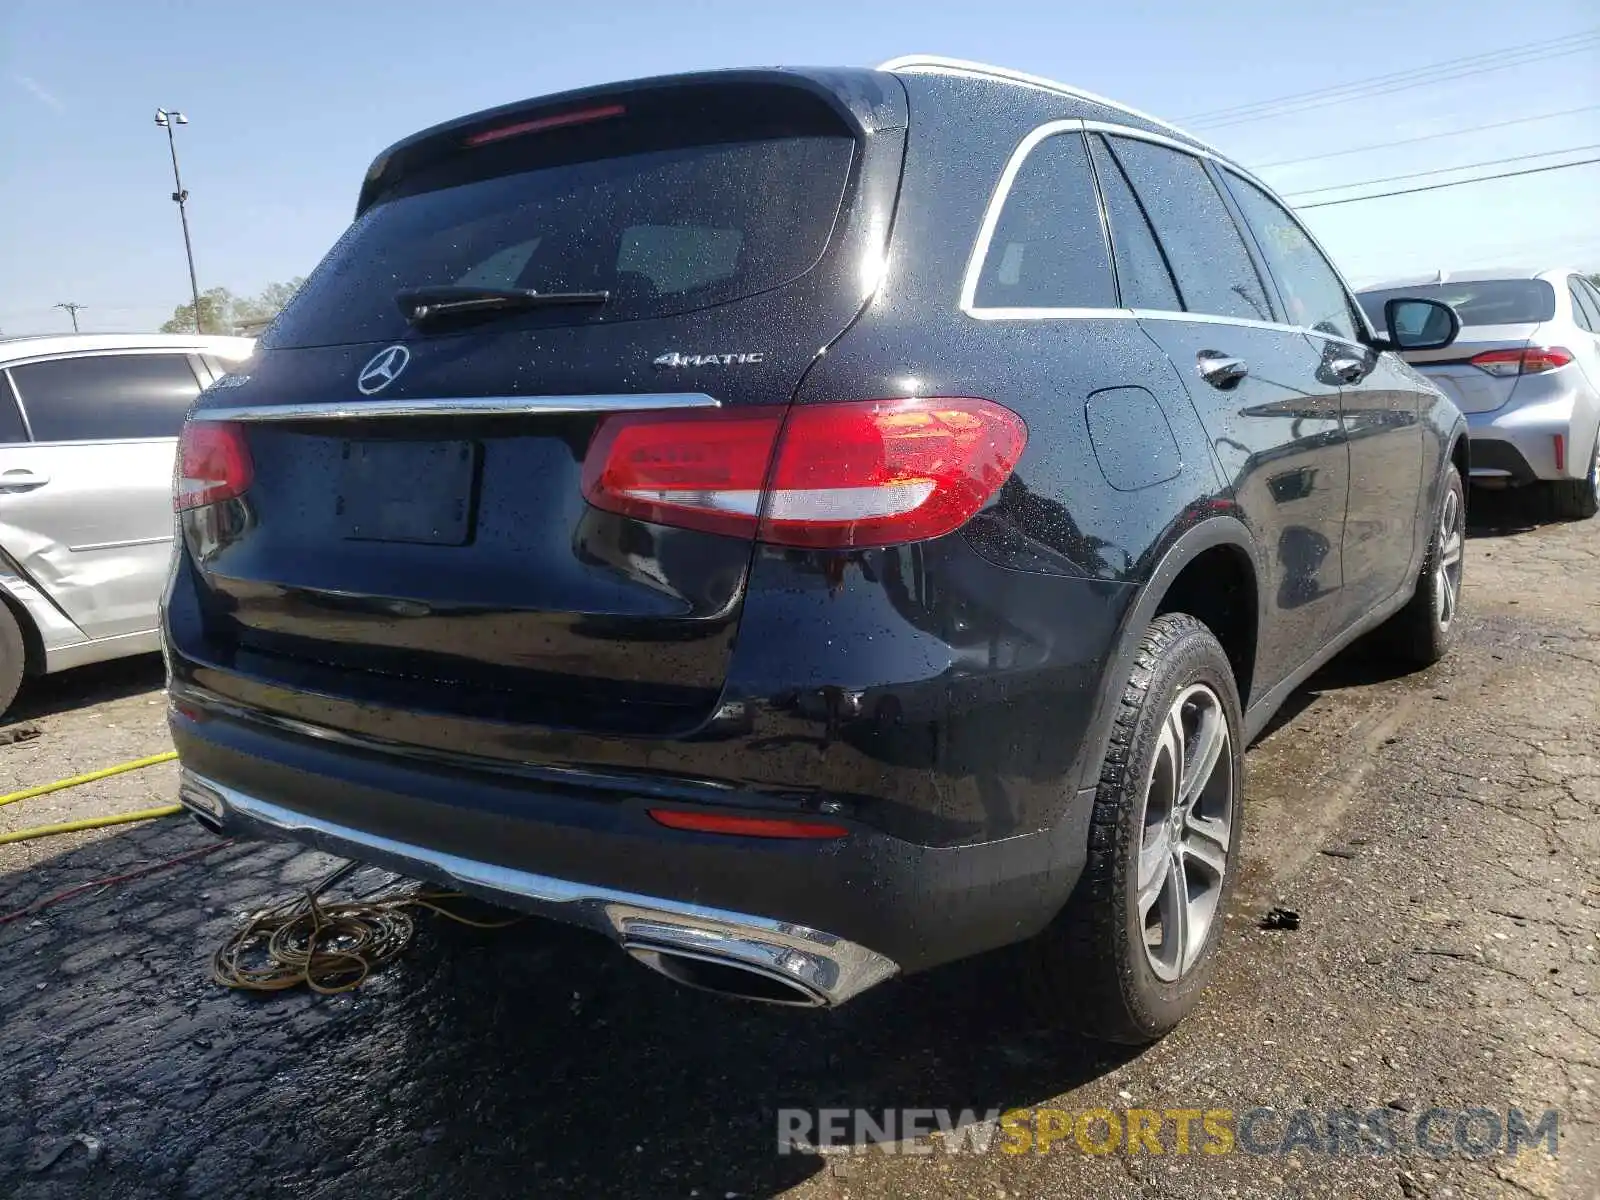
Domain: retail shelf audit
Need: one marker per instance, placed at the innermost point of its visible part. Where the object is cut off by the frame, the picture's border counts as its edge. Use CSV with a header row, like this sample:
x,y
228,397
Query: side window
x,y
1582,307
1143,278
103,396
1593,293
1310,287
11,426
1207,253
1049,246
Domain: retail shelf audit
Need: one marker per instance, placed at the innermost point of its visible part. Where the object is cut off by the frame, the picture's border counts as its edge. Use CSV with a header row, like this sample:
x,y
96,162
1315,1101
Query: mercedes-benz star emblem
x,y
383,369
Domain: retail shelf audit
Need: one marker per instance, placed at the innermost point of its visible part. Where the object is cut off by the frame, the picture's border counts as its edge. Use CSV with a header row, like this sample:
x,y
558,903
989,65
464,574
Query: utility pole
x,y
167,120
72,310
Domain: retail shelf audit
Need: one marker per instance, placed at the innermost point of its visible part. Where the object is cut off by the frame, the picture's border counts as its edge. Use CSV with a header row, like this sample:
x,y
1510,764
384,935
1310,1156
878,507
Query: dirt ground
x,y
1438,835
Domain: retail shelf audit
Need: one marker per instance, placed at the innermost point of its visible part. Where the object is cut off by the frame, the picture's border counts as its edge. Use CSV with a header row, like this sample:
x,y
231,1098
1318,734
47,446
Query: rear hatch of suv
x,y
406,523
1500,326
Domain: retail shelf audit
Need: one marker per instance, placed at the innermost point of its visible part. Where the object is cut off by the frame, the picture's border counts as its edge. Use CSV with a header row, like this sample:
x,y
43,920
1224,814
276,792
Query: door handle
x,y
1348,370
1220,371
21,479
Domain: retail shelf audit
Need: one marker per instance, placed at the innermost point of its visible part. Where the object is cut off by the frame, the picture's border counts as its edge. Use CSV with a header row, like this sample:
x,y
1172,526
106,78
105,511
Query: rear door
x,y
1272,415
85,507
417,534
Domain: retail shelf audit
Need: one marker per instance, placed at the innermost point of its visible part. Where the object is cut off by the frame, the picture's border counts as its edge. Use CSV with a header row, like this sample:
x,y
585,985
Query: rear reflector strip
x,y
767,827
581,116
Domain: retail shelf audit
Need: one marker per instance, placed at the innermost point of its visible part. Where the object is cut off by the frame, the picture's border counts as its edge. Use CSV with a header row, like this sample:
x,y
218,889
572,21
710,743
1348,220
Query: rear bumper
x,y
586,851
1517,443
828,968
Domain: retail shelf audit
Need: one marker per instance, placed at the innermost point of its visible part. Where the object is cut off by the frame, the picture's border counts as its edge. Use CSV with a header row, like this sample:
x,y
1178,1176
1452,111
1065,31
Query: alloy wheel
x,y
1451,540
1187,828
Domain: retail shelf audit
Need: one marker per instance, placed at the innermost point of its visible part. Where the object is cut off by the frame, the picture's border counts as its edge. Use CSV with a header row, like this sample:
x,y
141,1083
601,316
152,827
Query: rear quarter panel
x,y
967,672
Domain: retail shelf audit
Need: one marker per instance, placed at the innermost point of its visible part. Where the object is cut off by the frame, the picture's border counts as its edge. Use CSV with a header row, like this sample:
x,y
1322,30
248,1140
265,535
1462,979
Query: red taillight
x,y
767,827
861,473
581,116
1531,361
213,464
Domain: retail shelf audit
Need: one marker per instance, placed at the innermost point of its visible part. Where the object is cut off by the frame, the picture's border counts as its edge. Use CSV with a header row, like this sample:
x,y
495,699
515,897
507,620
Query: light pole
x,y
167,120
72,310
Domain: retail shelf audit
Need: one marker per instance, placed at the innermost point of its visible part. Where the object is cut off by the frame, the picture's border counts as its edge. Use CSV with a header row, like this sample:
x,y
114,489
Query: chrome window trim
x,y
1165,314
104,351
1002,190
170,439
461,406
1052,314
1162,314
991,218
938,64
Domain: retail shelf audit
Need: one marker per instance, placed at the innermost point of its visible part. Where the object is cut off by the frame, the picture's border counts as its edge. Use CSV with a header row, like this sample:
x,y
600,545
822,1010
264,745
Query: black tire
x,y
1577,499
13,657
1092,963
1423,631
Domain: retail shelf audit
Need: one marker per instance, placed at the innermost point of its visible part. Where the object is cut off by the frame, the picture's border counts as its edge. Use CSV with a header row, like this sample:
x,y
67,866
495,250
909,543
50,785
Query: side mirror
x,y
1417,324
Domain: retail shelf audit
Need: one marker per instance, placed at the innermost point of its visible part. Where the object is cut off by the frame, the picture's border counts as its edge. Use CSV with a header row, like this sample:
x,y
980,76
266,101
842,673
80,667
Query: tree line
x,y
223,312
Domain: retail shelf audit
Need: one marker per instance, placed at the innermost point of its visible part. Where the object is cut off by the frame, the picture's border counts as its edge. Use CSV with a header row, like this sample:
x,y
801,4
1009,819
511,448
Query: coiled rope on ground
x,y
329,947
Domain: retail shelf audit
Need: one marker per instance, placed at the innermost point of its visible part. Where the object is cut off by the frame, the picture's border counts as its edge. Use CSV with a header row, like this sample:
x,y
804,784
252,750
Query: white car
x,y
1525,371
88,429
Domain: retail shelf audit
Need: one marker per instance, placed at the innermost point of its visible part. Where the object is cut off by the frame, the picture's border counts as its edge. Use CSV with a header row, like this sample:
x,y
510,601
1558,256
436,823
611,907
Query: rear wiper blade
x,y
426,303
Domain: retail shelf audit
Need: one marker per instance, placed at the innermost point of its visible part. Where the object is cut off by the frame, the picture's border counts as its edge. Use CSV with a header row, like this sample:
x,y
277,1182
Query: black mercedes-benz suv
x,y
807,526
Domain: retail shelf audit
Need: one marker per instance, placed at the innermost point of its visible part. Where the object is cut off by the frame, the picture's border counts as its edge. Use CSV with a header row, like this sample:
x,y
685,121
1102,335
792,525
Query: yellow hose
x,y
58,785
40,831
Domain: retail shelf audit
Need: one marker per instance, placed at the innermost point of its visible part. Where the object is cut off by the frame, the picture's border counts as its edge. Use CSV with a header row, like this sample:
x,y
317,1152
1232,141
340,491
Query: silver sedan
x,y
1525,371
88,427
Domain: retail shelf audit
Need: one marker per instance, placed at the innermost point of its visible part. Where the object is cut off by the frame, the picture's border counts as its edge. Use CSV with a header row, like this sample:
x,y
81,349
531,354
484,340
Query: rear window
x,y
664,228
1483,302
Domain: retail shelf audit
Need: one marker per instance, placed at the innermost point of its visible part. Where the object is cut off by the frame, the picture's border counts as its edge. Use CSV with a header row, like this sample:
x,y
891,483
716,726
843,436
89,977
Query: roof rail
x,y
938,64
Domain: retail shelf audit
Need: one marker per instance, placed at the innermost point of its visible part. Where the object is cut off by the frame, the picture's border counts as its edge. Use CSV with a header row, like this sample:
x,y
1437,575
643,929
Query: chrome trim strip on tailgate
x,y
460,406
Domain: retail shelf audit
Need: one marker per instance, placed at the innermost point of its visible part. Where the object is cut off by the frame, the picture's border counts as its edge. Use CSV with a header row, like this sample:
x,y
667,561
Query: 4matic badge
x,y
674,359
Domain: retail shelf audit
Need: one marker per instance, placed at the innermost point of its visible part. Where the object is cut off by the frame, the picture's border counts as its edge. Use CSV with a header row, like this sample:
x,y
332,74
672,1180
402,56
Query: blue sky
x,y
290,100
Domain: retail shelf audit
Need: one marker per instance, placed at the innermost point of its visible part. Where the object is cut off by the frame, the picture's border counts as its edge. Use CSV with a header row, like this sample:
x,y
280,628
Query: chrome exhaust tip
x,y
750,959
726,977
203,802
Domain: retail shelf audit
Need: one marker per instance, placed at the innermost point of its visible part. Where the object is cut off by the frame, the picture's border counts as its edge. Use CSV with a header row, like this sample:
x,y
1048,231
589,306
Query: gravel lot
x,y
1447,956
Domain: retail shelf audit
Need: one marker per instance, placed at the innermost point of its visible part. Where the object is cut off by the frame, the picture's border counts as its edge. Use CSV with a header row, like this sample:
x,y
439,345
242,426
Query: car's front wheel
x,y
1132,951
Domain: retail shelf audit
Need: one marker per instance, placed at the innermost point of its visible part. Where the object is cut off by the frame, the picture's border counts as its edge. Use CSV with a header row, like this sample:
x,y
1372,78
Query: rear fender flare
x,y
1189,545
